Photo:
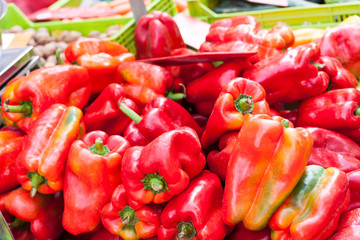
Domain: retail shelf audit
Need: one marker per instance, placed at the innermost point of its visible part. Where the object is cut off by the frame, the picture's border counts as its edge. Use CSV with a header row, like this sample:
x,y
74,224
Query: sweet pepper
x,y
129,220
144,81
92,173
163,168
100,57
196,212
332,149
354,186
161,115
237,98
313,209
349,226
156,35
104,113
10,147
41,214
265,165
242,233
336,110
290,76
206,89
25,98
40,166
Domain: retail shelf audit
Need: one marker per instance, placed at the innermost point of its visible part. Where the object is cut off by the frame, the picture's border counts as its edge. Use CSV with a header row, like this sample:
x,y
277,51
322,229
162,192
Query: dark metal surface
x,y
138,8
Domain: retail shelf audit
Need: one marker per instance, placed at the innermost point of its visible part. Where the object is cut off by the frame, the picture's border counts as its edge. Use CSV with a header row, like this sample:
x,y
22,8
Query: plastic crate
x,y
14,16
126,35
322,16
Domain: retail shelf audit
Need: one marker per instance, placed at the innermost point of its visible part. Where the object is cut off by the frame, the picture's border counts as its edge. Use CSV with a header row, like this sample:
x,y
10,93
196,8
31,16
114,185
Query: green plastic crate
x,y
14,16
322,16
126,35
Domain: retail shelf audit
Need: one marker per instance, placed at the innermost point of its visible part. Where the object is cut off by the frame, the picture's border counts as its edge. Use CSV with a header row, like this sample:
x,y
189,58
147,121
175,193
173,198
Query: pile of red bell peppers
x,y
108,147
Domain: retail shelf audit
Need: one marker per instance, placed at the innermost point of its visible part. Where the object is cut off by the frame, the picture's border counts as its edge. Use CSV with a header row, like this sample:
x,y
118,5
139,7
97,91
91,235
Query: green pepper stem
x,y
36,179
154,183
357,111
128,216
185,230
176,96
244,103
99,147
25,108
58,58
130,113
285,123
18,223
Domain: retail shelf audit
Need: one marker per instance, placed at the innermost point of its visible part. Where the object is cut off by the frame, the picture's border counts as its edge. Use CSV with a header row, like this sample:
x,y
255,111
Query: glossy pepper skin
x,y
313,209
217,160
266,163
290,76
25,98
162,115
334,110
354,186
349,226
104,113
156,35
40,166
332,149
163,168
238,97
130,220
242,233
43,212
10,147
196,212
206,89
340,42
143,81
100,57
93,172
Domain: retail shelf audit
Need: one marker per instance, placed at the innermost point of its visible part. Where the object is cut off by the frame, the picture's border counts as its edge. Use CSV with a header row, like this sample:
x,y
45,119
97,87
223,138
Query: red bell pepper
x,y
40,165
290,76
242,233
104,113
349,226
339,76
93,172
354,186
189,72
163,168
341,42
161,115
156,35
100,57
134,136
41,214
331,149
196,212
238,98
25,98
217,160
130,221
144,81
313,209
207,88
10,147
335,110
265,165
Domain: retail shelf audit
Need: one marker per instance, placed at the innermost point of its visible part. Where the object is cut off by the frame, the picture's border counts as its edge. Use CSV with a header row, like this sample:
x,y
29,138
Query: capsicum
x,y
237,98
354,186
163,168
290,76
104,113
93,172
242,233
10,147
161,115
196,212
349,226
313,209
156,35
130,221
25,98
41,214
265,165
40,166
100,57
332,149
336,110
